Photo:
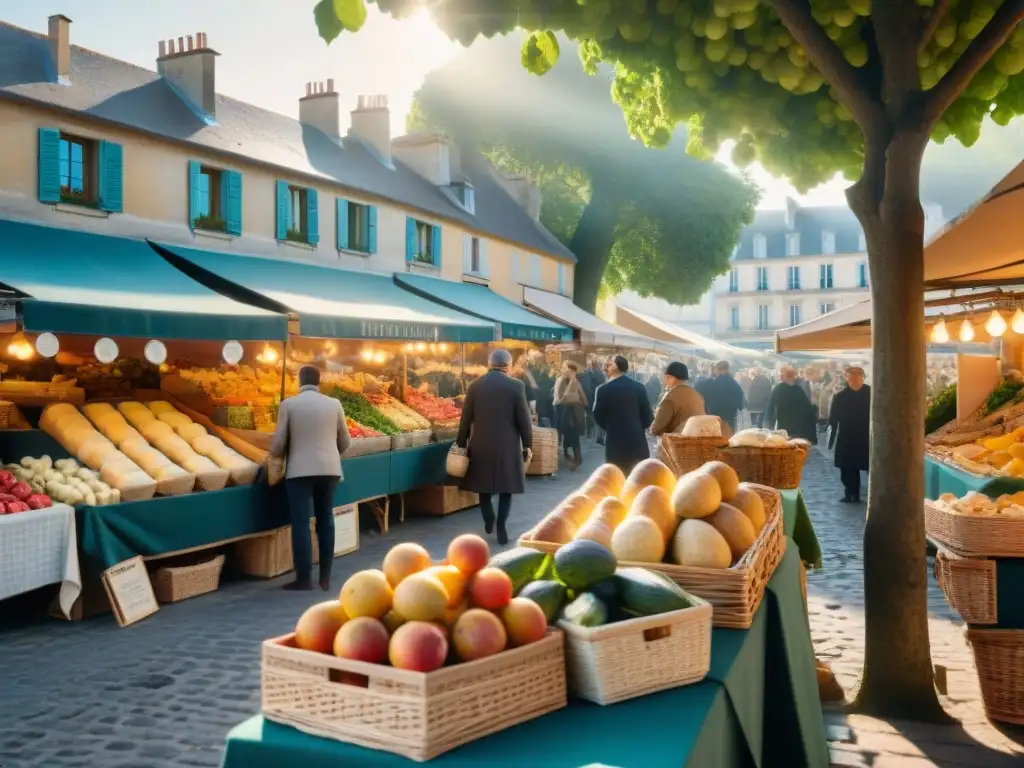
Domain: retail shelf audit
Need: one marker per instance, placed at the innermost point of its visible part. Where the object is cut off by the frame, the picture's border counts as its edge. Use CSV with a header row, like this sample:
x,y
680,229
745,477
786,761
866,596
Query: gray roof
x,y
115,91
810,222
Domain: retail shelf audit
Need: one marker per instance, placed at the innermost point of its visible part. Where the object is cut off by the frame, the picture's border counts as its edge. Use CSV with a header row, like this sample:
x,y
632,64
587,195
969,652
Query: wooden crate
x,y
735,592
438,500
415,714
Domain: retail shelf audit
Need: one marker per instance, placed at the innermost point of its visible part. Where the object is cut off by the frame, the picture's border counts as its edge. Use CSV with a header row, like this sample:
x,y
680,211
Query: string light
x,y
995,326
940,334
966,330
1017,322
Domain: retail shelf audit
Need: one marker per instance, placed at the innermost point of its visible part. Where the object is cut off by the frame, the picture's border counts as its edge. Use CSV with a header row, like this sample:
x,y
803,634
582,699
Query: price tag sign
x,y
130,591
346,529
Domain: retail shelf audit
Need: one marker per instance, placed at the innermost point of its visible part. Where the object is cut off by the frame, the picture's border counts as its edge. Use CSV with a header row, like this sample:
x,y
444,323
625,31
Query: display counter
x,y
758,707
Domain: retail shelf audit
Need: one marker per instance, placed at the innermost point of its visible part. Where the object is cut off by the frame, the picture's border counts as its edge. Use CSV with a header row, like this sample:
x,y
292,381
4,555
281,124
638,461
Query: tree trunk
x,y
592,245
898,679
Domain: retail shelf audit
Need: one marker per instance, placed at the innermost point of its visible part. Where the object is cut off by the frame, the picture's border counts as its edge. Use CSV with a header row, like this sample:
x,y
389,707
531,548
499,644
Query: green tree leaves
x,y
540,52
333,17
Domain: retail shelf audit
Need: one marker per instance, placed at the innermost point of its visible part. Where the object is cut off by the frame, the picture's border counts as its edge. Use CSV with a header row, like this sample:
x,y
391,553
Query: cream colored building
x,y
91,142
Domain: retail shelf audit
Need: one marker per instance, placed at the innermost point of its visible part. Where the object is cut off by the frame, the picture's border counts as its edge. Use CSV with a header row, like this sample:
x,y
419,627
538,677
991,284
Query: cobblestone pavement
x,y
163,693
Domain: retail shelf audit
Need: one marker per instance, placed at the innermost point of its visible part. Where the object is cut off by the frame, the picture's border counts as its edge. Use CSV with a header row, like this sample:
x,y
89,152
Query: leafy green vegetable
x,y
1001,395
359,409
941,409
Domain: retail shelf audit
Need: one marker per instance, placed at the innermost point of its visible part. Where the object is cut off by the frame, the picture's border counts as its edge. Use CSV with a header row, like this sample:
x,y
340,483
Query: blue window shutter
x,y
342,206
371,228
111,173
410,238
561,279
231,201
193,192
435,244
283,211
49,165
312,218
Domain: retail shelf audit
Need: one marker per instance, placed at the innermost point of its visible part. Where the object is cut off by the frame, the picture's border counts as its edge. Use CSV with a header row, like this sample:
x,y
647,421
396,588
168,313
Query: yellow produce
x,y
726,476
1014,468
639,540
654,503
1016,451
735,528
997,458
696,495
1000,443
749,503
596,530
648,472
698,544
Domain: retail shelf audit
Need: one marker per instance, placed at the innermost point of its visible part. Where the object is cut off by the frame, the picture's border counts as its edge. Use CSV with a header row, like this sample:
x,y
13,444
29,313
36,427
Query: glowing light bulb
x,y
444,347
421,347
20,350
366,355
966,330
1017,322
995,325
380,357
940,335
268,356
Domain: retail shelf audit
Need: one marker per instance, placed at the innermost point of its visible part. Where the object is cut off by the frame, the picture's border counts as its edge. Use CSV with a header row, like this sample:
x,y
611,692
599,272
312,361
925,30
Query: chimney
x,y
371,122
188,65
319,108
59,35
525,192
429,154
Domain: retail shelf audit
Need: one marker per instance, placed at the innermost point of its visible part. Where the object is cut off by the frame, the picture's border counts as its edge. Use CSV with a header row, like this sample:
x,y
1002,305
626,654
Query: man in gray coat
x,y
497,430
312,435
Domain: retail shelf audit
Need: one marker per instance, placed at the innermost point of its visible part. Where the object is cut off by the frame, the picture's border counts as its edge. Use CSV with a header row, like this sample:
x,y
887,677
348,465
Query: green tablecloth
x,y
758,708
418,467
366,477
796,521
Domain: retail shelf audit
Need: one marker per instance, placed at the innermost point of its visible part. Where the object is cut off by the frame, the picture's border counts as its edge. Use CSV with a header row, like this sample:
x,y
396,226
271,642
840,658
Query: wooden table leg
x,y
401,501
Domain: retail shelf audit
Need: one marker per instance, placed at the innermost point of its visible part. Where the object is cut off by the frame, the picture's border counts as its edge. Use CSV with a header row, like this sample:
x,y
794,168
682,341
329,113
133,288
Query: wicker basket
x,y
414,714
545,452
777,466
438,500
7,414
638,656
269,556
736,592
999,657
974,535
682,454
969,585
172,584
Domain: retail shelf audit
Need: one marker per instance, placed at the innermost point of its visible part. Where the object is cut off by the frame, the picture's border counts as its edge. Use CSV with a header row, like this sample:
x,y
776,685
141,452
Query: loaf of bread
x,y
110,422
209,477
190,431
170,479
174,418
136,413
161,406
153,430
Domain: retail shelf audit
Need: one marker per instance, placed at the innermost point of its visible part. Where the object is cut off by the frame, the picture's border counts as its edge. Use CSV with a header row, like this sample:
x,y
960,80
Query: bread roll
x,y
161,406
93,411
240,469
190,432
206,445
173,447
136,414
175,419
124,476
96,450
149,459
209,477
153,430
172,480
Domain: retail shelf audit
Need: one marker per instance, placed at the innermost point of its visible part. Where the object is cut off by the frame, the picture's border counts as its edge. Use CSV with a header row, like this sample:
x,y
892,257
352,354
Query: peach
x,y
362,639
491,588
404,560
469,553
419,646
366,593
318,625
392,621
524,621
453,580
478,633
421,598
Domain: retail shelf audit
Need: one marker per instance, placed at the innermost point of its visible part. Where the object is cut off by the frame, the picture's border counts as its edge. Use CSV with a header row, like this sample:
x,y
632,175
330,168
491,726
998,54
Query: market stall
x,y
97,319
661,330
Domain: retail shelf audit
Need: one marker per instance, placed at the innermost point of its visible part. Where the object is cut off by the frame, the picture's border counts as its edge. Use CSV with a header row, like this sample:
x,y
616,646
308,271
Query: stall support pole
x,y
284,367
405,377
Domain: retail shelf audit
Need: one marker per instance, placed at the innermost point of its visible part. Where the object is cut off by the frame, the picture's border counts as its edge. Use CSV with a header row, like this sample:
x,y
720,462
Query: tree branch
x,y
977,55
937,15
850,84
893,23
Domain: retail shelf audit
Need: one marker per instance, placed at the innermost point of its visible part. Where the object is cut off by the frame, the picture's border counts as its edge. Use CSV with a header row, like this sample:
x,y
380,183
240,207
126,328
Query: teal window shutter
x,y
194,192
371,228
410,239
49,165
342,205
111,173
283,211
435,244
231,201
312,218
561,279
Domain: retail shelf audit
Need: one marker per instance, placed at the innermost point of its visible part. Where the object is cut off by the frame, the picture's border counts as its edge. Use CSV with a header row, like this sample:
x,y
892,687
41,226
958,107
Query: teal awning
x,y
331,303
515,321
77,282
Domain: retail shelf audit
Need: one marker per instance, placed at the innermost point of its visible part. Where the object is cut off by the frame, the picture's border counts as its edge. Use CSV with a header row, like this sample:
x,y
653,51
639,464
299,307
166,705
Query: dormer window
x,y
465,194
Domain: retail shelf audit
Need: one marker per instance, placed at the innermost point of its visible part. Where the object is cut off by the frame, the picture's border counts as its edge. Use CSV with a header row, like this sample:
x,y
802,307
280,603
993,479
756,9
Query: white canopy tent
x,y
669,332
592,329
844,328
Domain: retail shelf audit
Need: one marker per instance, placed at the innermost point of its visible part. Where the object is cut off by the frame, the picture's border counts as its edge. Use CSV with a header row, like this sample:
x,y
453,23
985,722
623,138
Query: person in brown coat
x,y
679,403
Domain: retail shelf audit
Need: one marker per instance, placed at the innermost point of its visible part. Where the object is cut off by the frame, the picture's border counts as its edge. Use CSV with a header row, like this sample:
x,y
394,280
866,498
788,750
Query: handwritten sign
x,y
346,529
130,591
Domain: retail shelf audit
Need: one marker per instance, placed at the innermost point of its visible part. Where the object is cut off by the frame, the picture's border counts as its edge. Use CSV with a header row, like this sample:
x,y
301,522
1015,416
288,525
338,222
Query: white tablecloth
x,y
39,548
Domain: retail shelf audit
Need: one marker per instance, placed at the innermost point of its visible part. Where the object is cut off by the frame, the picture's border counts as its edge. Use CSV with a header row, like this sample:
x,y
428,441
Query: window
x,y
762,317
828,242
357,227
794,314
762,278
563,279
424,243
734,280
474,261
77,170
793,278
862,275
80,171
534,277
826,307
793,244
465,194
825,276
862,242
734,318
298,214
215,199
760,247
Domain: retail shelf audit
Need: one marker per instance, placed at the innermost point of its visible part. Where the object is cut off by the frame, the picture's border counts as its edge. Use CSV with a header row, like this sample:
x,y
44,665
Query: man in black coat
x,y
623,410
723,397
790,409
591,378
497,430
849,421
